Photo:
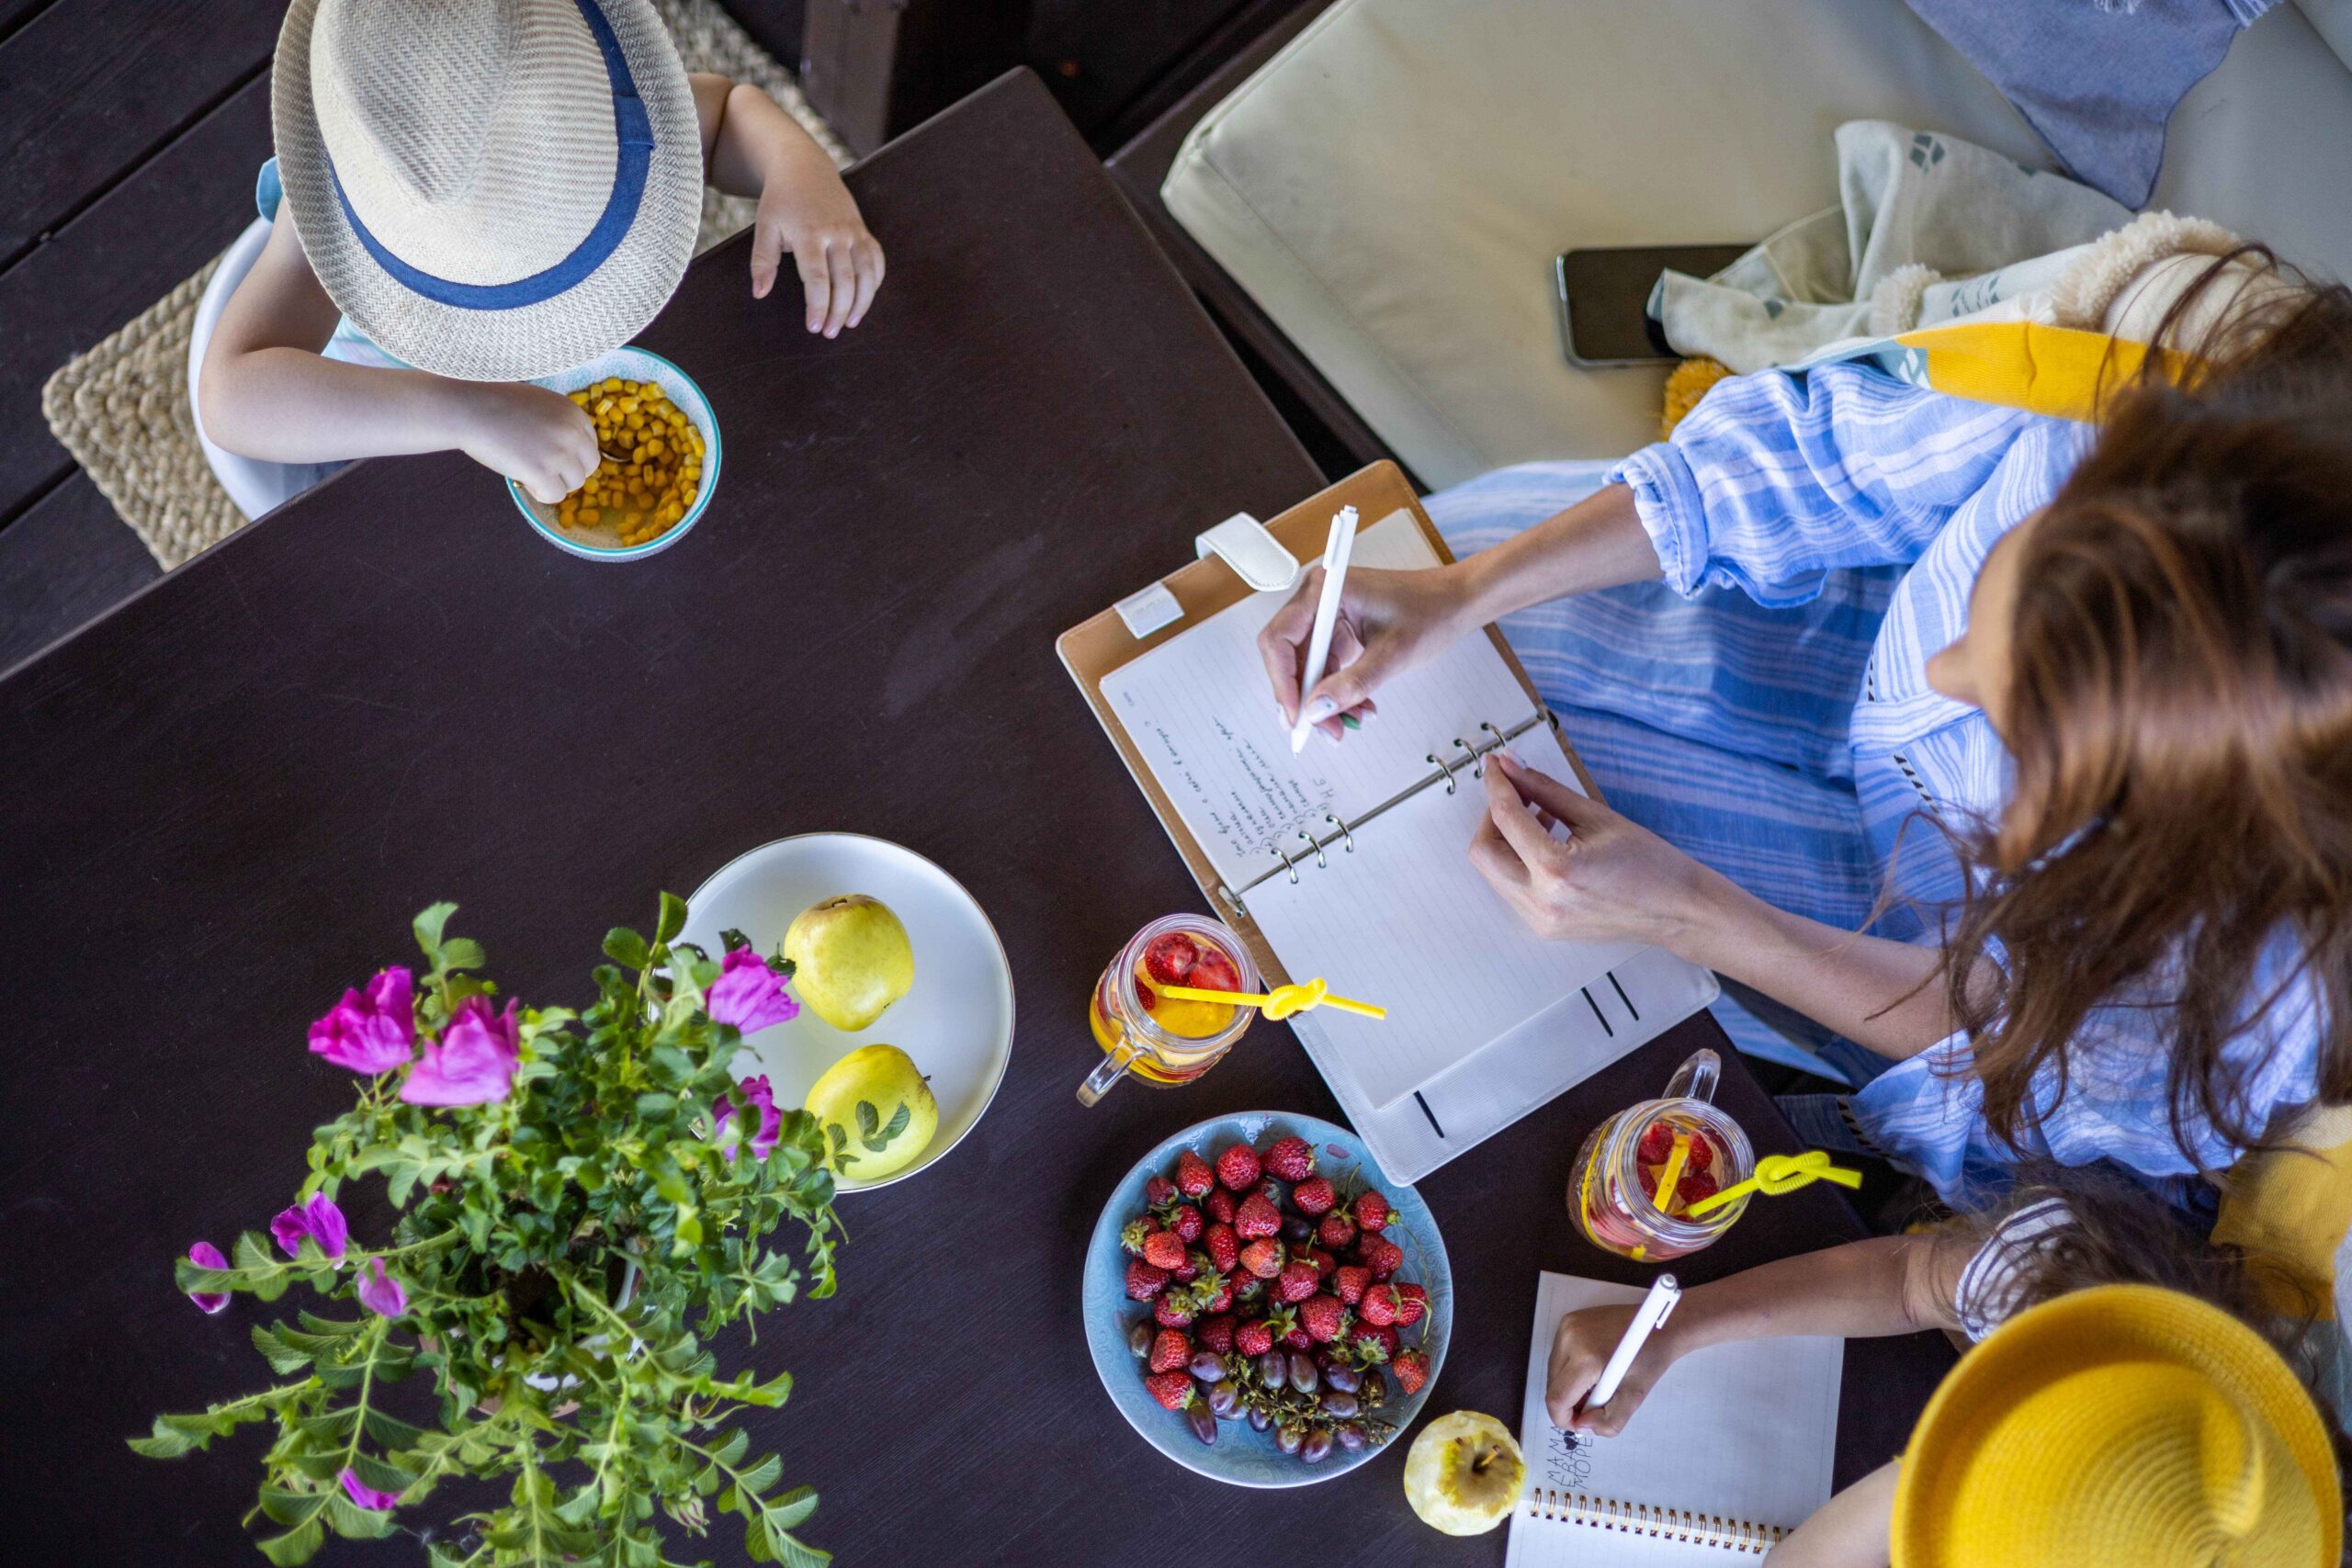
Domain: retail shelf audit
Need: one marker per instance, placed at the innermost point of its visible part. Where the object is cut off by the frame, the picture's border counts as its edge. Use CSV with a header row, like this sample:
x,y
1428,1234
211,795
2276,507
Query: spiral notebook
x,y
1728,1453
1351,861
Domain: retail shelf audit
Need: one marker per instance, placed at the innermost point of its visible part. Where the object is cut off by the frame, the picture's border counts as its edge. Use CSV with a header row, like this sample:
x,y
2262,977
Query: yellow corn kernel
x,y
654,449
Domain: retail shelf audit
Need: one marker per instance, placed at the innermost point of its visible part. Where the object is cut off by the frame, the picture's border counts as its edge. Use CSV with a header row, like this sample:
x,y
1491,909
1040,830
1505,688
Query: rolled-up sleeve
x,y
1777,479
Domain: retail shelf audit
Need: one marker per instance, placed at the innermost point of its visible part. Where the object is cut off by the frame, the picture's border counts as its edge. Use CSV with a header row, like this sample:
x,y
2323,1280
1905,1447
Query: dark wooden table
x,y
224,801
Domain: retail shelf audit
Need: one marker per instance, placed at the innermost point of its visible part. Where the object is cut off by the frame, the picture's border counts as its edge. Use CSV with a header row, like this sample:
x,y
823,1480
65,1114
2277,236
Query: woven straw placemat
x,y
121,409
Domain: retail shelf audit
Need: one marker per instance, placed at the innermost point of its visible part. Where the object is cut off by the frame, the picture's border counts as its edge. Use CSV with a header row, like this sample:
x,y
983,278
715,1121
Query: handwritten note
x,y
1200,710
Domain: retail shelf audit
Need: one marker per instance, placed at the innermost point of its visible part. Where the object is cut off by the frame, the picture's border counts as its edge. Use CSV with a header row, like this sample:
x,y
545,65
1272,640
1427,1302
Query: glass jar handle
x,y
1108,1071
1695,1078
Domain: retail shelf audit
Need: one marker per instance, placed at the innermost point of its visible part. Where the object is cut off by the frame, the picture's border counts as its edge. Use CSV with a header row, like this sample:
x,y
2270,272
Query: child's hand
x,y
541,440
1581,1349
812,214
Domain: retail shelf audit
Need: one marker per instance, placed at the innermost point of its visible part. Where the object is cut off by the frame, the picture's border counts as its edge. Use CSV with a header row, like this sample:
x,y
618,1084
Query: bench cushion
x,y
1392,187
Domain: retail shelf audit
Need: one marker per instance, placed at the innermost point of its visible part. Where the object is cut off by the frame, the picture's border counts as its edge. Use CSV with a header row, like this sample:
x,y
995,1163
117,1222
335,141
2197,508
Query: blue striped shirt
x,y
1771,483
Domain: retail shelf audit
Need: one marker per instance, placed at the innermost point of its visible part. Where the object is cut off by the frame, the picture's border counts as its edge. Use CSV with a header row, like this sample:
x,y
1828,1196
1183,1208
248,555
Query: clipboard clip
x,y
1256,556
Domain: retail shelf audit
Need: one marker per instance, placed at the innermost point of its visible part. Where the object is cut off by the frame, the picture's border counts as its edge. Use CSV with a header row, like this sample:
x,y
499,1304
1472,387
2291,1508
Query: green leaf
x,y
626,948
654,1106
794,1553
295,1546
674,919
463,952
793,1508
761,1476
393,1433
732,941
282,1358
898,1122
355,1523
429,926
869,1121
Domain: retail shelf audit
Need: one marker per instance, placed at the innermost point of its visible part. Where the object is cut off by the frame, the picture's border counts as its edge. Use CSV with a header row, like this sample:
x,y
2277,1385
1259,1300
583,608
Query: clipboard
x,y
1640,998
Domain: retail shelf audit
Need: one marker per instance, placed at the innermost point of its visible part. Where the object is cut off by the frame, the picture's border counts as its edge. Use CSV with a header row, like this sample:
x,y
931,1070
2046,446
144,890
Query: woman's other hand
x,y
1610,880
1389,620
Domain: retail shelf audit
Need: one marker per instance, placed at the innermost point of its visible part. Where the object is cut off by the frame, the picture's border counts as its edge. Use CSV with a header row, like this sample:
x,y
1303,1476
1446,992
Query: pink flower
x,y
204,1254
367,1496
379,1292
748,995
370,1033
755,1090
316,1217
474,1061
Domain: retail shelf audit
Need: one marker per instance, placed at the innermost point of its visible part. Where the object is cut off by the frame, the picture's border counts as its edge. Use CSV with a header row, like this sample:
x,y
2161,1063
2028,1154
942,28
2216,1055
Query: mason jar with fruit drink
x,y
1614,1185
1165,1041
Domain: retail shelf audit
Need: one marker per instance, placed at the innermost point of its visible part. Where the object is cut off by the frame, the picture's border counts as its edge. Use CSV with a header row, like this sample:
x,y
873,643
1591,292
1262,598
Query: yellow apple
x,y
876,1112
850,959
1464,1474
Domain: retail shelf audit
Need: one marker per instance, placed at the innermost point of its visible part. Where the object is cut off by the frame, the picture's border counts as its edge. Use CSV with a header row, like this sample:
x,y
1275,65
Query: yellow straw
x,y
1776,1173
1673,1177
1283,1001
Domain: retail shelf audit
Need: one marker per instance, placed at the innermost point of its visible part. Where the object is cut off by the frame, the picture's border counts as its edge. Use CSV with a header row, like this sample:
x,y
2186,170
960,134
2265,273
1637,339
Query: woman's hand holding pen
x,y
1581,1349
1389,620
1610,880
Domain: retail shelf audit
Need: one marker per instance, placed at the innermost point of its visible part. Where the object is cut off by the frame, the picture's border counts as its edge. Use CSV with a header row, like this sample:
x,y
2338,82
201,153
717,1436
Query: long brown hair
x,y
2180,713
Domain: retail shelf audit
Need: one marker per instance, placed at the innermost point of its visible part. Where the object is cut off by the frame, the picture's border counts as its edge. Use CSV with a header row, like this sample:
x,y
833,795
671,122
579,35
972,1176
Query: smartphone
x,y
1605,296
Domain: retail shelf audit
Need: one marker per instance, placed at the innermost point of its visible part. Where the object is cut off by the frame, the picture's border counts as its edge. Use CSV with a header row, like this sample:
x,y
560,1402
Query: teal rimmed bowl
x,y
602,544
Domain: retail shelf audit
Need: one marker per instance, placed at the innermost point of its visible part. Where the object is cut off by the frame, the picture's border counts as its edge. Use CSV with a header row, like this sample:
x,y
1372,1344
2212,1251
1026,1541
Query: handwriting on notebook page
x,y
1200,710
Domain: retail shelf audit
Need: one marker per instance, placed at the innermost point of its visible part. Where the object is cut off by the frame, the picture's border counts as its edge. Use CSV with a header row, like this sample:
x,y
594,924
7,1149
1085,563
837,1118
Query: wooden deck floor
x,y
129,134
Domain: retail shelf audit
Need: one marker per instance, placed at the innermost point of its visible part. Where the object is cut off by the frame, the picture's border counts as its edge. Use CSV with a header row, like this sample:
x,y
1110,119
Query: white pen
x,y
1336,551
1664,1292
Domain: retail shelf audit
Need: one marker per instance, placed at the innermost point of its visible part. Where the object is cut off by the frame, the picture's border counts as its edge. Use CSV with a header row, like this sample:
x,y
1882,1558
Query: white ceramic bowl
x,y
630,365
956,1019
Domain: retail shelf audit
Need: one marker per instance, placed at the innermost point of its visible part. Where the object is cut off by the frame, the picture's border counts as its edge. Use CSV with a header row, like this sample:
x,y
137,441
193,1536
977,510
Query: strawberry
x,y
1696,1184
1298,1339
1170,957
1144,1281
1187,1271
1381,1305
1223,1247
1237,1167
1216,1333
1350,1282
1214,1292
1314,1197
1371,1211
1297,1281
1193,1176
1657,1143
1263,1259
1282,1323
1255,1218
1170,1349
1649,1174
1174,1309
1380,1255
1164,1249
1371,1333
1253,1338
1158,1192
1173,1389
1337,1231
1249,1289
1185,1220
1219,1206
1213,971
1325,1264
1412,1301
1322,1316
1131,1236
1701,1157
1412,1369
1291,1159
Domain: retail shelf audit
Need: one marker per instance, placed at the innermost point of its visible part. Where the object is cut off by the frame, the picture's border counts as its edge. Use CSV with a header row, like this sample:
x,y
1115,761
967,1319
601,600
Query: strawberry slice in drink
x,y
1213,971
1169,958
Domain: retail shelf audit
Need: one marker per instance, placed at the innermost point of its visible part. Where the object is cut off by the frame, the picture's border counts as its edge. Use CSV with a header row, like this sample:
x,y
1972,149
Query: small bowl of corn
x,y
659,463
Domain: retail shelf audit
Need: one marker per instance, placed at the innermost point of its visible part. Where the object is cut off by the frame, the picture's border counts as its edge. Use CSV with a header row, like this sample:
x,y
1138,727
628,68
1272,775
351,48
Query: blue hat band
x,y
632,129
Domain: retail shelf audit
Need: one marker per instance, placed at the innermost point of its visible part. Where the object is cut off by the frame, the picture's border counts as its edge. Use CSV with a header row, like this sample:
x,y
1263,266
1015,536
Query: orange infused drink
x,y
1160,1039
650,465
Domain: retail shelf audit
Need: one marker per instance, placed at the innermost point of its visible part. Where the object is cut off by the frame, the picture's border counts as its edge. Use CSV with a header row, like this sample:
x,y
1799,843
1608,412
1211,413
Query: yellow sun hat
x,y
2120,1425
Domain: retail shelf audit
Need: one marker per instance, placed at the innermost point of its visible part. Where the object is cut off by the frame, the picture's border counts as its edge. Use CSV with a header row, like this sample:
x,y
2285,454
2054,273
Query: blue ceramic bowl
x,y
1241,1456
630,365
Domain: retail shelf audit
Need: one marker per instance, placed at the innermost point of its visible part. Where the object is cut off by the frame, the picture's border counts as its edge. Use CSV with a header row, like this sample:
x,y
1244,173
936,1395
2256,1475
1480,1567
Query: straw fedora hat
x,y
2120,1425
490,189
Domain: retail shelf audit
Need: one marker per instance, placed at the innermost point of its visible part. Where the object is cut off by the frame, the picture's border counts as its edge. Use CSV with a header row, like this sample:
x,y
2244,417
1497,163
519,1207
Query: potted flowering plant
x,y
578,1201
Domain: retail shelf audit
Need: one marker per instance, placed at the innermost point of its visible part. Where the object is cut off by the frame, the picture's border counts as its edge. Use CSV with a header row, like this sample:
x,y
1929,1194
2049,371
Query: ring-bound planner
x,y
1349,861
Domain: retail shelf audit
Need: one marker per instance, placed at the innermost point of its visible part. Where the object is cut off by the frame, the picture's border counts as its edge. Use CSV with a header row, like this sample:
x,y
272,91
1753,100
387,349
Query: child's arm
x,y
266,392
1896,1284
1853,1529
753,148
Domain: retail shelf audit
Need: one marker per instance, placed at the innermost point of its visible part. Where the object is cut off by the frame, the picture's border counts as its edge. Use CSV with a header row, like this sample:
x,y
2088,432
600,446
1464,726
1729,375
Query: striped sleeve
x,y
1775,479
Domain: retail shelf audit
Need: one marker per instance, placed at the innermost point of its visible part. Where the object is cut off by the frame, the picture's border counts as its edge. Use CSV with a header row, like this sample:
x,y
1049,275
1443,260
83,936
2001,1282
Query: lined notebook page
x,y
1405,921
1743,1431
1198,708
